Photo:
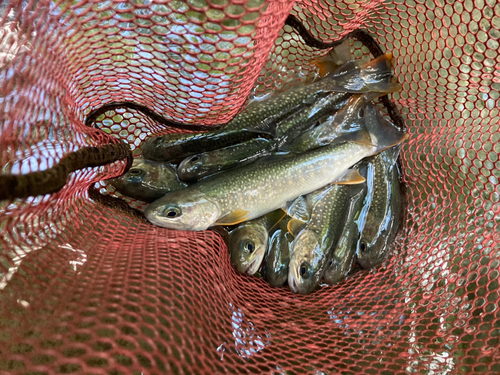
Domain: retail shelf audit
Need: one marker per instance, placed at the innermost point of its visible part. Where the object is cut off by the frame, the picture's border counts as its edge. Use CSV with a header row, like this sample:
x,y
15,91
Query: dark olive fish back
x,y
383,216
342,256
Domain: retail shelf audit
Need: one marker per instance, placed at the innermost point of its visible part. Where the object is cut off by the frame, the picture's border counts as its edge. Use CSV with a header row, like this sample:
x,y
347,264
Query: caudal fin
x,y
379,75
374,131
335,59
374,76
383,134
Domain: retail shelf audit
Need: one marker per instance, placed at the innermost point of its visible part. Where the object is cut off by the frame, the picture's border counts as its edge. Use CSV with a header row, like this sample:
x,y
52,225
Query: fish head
x,y
187,209
189,167
332,271
372,250
134,175
147,180
305,262
278,258
247,246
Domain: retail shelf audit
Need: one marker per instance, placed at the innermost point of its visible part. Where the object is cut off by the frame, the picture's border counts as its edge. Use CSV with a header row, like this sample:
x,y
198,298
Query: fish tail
x,y
375,132
382,67
383,64
324,65
331,62
383,134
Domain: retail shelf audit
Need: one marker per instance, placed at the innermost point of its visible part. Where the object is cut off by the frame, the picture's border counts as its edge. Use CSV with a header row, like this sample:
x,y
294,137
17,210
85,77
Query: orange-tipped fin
x,y
381,63
232,218
351,177
273,218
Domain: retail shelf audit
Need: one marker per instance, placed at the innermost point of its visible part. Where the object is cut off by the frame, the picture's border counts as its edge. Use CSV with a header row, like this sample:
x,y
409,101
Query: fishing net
x,y
86,287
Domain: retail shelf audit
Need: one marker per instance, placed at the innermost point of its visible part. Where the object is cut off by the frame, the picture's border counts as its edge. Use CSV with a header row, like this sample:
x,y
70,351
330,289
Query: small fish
x,y
176,147
313,245
342,257
383,216
259,119
201,165
248,242
147,180
205,164
246,193
275,267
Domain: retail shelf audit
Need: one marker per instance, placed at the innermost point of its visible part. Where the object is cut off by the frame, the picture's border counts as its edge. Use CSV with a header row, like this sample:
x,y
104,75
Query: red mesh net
x,y
86,289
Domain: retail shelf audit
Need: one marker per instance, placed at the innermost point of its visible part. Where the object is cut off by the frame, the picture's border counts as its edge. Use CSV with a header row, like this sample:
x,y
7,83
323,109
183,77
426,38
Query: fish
x,y
343,254
194,168
178,146
245,193
382,219
349,118
275,266
201,165
248,242
312,246
260,118
147,180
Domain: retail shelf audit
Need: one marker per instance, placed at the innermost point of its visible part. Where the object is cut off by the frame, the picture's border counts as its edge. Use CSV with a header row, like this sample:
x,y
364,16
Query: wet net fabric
x,y
87,289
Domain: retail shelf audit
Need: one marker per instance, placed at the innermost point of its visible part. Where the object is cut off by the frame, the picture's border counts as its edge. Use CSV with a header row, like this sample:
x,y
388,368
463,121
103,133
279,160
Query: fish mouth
x,y
292,283
254,264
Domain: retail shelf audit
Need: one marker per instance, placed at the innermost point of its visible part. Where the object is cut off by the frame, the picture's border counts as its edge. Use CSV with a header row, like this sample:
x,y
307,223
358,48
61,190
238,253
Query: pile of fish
x,y
305,182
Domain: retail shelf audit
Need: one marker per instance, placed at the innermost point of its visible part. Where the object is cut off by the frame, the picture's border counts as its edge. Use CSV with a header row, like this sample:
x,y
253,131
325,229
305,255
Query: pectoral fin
x,y
232,218
350,177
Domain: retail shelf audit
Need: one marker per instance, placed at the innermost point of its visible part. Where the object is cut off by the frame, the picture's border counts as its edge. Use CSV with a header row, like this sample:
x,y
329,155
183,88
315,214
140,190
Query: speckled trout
x,y
383,217
251,191
148,180
313,245
259,119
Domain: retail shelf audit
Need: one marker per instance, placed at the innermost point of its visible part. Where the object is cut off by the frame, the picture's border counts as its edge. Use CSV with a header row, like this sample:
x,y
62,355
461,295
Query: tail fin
x,y
383,134
335,59
375,131
381,70
376,75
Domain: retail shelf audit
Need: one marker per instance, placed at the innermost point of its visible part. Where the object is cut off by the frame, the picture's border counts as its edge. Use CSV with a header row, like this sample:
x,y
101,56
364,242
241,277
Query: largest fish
x,y
254,190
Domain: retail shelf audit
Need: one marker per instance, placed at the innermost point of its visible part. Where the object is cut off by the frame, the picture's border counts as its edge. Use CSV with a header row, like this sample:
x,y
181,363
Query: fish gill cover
x,y
86,288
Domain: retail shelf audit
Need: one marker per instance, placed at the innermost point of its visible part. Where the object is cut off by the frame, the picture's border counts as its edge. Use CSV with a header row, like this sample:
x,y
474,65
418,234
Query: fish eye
x,y
172,212
304,270
248,246
194,158
135,172
363,246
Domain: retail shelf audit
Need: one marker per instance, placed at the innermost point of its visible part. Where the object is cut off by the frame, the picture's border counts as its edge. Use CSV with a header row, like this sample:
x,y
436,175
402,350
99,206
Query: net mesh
x,y
87,289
